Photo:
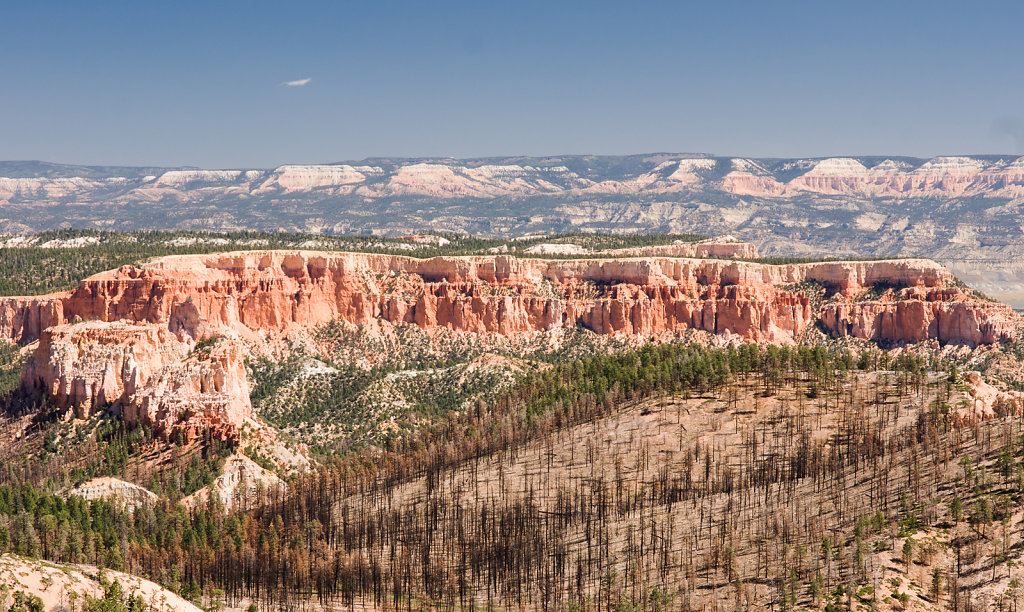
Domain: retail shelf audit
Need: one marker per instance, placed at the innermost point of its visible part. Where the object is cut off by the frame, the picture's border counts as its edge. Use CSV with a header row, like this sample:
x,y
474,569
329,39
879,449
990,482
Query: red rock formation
x,y
274,290
137,351
945,315
24,318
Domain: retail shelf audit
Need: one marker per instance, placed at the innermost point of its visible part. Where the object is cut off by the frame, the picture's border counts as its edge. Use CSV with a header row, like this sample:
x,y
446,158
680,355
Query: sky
x,y
222,84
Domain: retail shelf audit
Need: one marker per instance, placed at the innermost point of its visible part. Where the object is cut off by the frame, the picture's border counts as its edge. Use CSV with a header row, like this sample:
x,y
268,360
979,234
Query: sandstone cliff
x,y
271,291
127,494
137,348
962,210
151,375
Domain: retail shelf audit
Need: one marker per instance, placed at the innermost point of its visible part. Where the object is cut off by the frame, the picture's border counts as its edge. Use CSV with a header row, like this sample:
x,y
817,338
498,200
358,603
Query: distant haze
x,y
258,84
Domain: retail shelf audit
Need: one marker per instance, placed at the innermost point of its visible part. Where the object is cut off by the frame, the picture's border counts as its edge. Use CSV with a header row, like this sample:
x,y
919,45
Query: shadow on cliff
x,y
21,402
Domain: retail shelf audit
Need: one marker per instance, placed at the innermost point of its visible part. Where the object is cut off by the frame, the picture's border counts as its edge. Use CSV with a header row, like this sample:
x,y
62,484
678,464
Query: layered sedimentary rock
x,y
207,392
273,290
654,175
938,177
128,494
24,318
154,377
137,349
942,314
96,363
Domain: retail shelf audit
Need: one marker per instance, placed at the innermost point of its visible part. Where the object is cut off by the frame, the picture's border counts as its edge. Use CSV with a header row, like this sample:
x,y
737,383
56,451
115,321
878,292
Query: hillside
x,y
26,582
569,422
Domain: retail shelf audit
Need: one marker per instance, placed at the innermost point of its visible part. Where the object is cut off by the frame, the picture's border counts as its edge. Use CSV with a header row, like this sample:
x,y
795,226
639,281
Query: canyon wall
x,y
270,291
158,379
652,175
965,211
129,336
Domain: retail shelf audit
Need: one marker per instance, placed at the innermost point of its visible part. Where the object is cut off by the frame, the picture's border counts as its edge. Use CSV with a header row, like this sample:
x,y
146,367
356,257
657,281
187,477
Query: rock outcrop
x,y
154,377
717,250
987,401
206,392
53,583
271,291
241,479
91,364
943,314
25,318
129,495
137,348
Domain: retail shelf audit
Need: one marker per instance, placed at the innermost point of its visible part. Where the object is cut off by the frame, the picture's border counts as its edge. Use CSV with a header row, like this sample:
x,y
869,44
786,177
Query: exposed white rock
x,y
297,178
950,176
182,178
838,166
71,243
691,171
548,248
54,583
131,495
241,482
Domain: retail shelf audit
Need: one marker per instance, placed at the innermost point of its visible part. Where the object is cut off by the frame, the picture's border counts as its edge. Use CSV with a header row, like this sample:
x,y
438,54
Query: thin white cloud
x,y
297,83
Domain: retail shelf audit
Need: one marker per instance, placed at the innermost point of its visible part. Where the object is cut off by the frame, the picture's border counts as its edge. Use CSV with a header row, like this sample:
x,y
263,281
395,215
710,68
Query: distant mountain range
x,y
965,211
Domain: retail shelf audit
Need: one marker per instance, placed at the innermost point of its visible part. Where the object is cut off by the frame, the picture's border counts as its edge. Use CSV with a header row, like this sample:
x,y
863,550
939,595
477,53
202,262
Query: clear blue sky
x,y
202,83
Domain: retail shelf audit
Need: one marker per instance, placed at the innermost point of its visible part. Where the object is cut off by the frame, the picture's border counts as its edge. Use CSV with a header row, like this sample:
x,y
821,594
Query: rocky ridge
x,y
964,211
130,495
650,175
136,344
64,587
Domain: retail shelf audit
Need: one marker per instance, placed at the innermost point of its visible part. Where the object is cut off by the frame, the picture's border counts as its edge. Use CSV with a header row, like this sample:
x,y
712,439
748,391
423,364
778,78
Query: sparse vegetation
x,y
72,255
661,476
585,474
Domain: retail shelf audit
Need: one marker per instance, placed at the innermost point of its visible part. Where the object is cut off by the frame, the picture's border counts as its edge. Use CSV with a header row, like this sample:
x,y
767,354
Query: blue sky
x,y
202,83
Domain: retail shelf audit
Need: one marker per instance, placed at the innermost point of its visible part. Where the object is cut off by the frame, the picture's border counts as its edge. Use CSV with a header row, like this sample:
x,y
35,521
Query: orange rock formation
x,y
145,362
273,290
155,377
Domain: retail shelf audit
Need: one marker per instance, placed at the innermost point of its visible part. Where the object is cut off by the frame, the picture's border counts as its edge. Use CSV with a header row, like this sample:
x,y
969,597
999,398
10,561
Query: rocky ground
x,y
725,546
67,587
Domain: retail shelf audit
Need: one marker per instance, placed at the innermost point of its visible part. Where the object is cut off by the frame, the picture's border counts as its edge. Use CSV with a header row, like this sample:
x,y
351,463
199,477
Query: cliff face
x,y
948,176
940,314
962,210
138,347
273,290
24,318
154,377
943,177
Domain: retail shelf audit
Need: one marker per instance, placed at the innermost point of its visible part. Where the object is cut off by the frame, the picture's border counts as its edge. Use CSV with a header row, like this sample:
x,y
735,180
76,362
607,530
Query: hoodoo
x,y
273,290
136,347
